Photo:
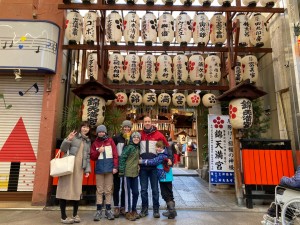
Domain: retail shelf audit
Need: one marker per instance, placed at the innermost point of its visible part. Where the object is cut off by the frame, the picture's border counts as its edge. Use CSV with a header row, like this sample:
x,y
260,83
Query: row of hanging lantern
x,y
180,68
164,99
253,31
251,3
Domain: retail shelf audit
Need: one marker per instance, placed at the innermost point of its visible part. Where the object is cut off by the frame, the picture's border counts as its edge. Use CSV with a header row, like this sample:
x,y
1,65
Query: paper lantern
x,y
196,68
218,33
74,26
193,100
115,71
209,100
240,113
135,99
89,27
268,3
164,68
168,2
166,29
131,28
113,27
258,30
237,70
149,28
201,29
178,99
205,2
93,110
212,69
250,3
149,99
183,32
225,3
249,68
164,99
148,68
244,35
180,70
92,65
187,2
121,98
150,2
132,67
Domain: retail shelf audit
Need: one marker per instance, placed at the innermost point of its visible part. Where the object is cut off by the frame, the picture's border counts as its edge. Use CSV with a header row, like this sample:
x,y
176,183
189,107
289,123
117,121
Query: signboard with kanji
x,y
221,164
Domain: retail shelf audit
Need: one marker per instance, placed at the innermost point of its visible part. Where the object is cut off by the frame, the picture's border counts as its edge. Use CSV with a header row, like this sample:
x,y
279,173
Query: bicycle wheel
x,y
290,213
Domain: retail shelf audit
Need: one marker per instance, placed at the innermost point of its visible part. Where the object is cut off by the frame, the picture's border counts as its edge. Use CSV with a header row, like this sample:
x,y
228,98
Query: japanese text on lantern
x,y
92,110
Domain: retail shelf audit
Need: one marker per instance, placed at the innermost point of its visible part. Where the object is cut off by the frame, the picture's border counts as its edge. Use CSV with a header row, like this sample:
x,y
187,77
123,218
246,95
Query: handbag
x,y
62,166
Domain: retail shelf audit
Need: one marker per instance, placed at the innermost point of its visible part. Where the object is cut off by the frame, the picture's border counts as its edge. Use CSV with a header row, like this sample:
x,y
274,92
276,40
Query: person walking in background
x,y
149,136
121,140
165,176
104,152
69,187
129,167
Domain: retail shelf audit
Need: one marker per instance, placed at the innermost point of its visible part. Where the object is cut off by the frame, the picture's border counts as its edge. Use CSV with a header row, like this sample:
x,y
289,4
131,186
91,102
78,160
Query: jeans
x,y
117,186
145,175
131,193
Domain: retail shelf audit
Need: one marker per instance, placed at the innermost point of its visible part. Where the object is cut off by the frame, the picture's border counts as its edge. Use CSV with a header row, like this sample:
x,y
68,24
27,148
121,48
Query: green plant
x,y
114,116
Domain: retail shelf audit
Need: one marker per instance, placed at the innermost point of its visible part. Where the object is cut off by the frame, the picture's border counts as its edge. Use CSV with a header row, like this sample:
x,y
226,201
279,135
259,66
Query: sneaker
x,y
76,219
116,212
67,221
144,212
109,215
98,215
129,216
156,213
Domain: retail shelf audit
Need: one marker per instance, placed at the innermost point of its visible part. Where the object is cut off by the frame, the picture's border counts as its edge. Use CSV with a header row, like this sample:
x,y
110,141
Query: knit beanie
x,y
127,123
136,134
101,128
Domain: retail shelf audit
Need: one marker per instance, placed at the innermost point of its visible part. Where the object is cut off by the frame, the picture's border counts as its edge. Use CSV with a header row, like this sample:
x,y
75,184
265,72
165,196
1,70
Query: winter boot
x,y
172,211
167,212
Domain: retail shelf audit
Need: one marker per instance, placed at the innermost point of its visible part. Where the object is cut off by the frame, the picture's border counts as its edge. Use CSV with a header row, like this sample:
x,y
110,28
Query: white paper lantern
x,y
113,27
149,99
183,32
93,110
149,28
115,71
238,74
250,3
135,99
250,68
212,69
164,99
196,68
180,70
178,99
148,68
89,27
201,29
218,33
244,35
268,3
165,29
92,65
193,100
74,26
164,68
150,2
132,67
240,113
121,98
131,28
258,30
205,2
209,100
187,2
225,3
168,2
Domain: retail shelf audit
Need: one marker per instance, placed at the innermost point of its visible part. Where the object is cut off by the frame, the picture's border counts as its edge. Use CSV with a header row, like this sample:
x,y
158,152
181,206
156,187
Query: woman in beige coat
x,y
70,186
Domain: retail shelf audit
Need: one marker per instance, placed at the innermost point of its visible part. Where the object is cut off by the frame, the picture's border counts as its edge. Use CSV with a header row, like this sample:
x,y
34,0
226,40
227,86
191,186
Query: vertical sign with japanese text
x,y
221,164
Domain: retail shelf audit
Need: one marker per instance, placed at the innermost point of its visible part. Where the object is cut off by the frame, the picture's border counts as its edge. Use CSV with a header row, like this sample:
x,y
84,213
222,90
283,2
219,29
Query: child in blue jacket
x,y
165,176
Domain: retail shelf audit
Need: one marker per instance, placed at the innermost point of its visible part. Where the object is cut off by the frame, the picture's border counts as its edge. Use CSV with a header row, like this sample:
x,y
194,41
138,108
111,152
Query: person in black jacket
x,y
121,140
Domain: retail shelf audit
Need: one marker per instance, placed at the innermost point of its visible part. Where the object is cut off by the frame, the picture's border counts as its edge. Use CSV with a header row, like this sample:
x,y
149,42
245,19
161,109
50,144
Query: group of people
x,y
121,162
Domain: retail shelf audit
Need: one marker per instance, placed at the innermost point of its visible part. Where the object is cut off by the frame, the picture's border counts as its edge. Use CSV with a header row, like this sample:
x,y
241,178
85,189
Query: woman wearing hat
x,y
104,152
